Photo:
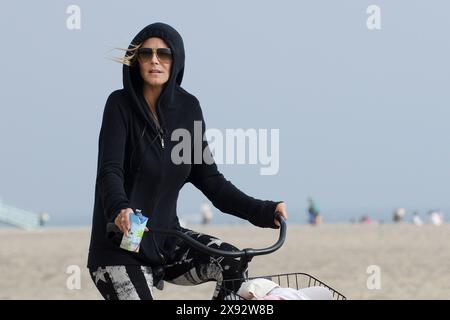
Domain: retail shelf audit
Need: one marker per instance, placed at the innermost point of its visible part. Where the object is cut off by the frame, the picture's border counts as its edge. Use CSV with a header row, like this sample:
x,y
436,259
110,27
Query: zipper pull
x,y
161,135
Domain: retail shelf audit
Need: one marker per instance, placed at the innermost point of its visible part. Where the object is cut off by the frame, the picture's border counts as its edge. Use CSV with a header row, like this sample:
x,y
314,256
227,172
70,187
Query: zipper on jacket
x,y
161,136
160,133
159,130
158,123
162,257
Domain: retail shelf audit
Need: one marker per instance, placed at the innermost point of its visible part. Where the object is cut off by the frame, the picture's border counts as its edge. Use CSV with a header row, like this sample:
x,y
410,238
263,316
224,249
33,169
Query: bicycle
x,y
296,280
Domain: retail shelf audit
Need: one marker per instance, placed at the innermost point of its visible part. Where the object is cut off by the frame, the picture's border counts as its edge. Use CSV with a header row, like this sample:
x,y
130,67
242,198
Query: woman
x,y
135,171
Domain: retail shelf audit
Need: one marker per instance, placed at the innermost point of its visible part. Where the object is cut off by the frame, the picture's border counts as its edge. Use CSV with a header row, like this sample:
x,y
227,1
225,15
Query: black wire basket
x,y
287,280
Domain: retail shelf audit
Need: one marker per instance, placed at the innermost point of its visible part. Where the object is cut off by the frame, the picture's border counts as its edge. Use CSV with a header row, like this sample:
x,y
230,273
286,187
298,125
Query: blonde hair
x,y
130,57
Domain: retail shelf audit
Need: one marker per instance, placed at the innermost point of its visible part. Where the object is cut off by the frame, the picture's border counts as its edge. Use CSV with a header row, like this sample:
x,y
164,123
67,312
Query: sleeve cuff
x,y
264,215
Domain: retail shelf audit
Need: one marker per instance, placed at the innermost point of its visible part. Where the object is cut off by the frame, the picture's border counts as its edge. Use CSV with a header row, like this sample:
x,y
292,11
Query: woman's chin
x,y
154,82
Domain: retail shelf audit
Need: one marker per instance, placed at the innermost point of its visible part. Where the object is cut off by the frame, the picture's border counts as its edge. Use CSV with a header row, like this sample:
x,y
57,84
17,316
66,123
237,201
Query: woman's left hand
x,y
281,208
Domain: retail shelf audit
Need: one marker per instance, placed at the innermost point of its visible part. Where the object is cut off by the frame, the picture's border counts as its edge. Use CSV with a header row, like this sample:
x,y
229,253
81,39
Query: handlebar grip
x,y
279,217
277,245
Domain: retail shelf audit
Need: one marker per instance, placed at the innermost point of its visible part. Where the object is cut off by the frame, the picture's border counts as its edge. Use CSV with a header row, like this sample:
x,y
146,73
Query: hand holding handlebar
x,y
281,211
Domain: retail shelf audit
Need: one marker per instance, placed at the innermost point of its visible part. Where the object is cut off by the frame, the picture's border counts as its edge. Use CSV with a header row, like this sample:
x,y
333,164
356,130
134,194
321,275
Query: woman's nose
x,y
154,59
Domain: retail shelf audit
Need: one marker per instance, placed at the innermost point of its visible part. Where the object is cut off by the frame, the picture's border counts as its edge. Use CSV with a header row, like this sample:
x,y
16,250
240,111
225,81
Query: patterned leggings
x,y
189,267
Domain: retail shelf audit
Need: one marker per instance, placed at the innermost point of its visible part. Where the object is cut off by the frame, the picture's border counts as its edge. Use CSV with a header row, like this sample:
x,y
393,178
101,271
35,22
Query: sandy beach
x,y
411,262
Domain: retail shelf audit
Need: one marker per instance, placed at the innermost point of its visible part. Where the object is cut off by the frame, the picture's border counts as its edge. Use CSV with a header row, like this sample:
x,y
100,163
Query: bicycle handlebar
x,y
248,252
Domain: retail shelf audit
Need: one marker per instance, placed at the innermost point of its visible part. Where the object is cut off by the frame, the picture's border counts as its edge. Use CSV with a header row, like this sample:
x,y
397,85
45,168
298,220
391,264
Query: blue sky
x,y
363,115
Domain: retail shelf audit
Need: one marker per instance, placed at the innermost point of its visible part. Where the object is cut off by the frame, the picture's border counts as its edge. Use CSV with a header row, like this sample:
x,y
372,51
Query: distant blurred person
x,y
314,212
436,217
43,218
399,214
207,214
416,220
365,219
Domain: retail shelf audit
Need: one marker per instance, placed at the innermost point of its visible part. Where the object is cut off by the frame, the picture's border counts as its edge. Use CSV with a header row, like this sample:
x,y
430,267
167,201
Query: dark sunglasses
x,y
163,54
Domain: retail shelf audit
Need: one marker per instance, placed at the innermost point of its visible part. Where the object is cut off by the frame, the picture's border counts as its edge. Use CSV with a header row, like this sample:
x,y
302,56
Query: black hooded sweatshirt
x,y
135,170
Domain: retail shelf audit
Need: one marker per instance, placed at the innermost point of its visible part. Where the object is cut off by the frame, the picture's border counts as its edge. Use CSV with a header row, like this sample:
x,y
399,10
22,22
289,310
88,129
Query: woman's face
x,y
154,69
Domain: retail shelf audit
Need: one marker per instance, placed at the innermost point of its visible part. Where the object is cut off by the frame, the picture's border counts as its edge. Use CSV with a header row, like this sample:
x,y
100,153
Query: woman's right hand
x,y
122,220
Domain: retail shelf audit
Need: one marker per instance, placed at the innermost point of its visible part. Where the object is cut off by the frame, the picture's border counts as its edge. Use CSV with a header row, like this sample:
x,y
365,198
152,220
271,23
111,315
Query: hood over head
x,y
132,80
